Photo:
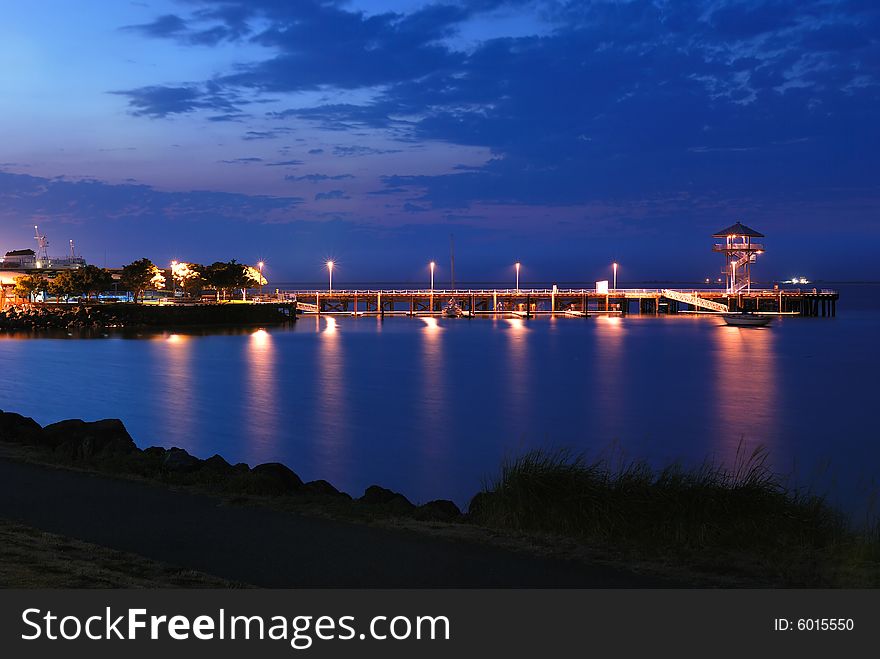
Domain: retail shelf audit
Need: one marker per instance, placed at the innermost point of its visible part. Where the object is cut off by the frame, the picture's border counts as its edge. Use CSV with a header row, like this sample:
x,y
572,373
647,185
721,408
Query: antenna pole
x,y
452,258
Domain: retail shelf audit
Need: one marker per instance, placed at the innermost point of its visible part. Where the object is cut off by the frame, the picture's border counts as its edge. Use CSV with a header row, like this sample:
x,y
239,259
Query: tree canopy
x,y
140,276
27,285
227,276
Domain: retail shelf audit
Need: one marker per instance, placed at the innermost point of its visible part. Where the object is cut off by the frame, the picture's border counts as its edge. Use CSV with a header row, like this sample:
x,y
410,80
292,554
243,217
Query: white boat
x,y
746,319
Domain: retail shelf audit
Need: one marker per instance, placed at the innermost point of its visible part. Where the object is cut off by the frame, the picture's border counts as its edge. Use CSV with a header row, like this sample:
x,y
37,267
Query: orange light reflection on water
x,y
261,396
176,383
607,374
330,404
746,392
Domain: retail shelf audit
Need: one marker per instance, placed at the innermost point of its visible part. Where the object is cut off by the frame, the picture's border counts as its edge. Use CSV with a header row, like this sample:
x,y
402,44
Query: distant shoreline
x,y
139,316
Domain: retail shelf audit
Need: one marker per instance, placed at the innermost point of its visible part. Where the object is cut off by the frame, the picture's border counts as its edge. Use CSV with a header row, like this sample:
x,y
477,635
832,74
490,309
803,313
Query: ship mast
x,y
452,258
42,245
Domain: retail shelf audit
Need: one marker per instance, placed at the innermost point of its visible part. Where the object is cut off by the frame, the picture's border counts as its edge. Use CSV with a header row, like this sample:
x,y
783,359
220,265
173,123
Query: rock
x,y
19,429
77,439
479,502
440,510
323,488
377,495
278,478
176,459
154,453
217,464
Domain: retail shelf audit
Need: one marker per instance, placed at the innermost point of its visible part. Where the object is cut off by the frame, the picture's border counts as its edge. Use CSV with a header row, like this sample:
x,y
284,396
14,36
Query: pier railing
x,y
437,292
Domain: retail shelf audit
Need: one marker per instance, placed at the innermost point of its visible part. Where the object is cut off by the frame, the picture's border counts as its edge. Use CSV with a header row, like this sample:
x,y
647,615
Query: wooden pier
x,y
569,301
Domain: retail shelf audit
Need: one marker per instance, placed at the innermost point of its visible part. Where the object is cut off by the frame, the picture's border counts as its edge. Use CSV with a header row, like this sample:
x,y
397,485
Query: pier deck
x,y
528,302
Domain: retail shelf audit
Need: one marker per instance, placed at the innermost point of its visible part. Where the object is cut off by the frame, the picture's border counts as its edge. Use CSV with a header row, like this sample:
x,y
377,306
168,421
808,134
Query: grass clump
x,y
741,520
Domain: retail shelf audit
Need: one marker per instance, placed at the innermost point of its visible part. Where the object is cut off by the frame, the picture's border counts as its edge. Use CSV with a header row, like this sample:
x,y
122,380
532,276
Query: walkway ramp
x,y
695,300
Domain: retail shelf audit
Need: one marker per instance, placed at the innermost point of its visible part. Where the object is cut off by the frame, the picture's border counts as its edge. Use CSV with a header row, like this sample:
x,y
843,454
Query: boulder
x,y
440,510
278,478
323,488
19,429
217,464
377,495
156,453
77,439
479,503
178,460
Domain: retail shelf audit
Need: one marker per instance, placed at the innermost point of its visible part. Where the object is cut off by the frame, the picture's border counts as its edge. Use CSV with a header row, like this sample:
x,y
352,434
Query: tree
x,y
27,285
91,279
63,285
188,277
225,277
141,275
255,278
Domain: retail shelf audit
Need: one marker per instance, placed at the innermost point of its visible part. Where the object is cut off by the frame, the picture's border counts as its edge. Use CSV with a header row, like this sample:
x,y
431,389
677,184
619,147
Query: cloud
x,y
93,202
318,178
241,161
343,116
284,163
168,25
265,134
233,117
413,208
160,101
603,101
352,151
331,194
224,24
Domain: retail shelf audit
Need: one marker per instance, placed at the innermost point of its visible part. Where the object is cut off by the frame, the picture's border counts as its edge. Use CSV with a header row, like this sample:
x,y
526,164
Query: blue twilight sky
x,y
564,134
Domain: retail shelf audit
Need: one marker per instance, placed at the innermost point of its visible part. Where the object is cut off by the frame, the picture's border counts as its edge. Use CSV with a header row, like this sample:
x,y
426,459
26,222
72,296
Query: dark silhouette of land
x,y
266,547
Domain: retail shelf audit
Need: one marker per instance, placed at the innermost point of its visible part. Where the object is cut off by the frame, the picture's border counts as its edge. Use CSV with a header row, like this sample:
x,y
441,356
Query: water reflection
x,y
745,390
608,378
176,383
518,381
331,441
432,407
261,396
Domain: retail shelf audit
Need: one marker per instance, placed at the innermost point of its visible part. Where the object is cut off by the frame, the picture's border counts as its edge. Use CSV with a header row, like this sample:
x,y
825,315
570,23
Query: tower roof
x,y
738,229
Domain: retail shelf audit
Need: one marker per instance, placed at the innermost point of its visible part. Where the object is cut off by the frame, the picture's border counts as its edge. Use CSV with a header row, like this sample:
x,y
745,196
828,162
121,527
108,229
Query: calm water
x,y
430,407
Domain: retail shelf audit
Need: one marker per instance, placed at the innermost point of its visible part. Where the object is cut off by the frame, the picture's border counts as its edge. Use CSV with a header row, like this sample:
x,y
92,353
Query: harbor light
x,y
432,265
260,266
330,265
173,280
518,265
614,265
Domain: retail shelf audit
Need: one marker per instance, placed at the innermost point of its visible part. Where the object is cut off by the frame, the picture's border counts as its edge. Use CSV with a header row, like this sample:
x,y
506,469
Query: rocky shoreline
x,y
700,527
83,317
107,446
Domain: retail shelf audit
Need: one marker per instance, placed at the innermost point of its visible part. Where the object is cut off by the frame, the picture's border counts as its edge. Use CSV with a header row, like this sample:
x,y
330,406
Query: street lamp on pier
x,y
517,266
432,266
614,265
260,266
330,265
173,279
